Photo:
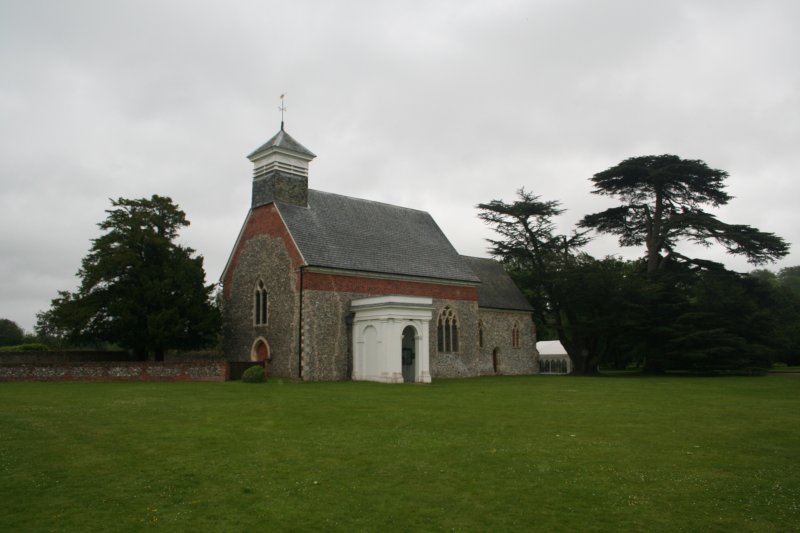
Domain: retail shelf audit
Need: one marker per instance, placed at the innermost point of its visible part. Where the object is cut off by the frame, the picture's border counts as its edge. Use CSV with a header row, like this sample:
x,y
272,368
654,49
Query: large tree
x,y
663,201
10,333
542,262
139,288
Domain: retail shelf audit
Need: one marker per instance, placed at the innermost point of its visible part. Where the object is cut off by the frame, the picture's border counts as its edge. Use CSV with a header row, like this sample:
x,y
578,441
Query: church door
x,y
262,355
409,354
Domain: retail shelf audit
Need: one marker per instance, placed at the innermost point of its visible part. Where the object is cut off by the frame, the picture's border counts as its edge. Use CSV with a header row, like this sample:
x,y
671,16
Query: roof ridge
x,y
371,201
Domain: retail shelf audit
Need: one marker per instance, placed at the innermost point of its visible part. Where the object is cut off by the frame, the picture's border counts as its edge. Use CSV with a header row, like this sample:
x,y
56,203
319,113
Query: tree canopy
x,y
663,201
529,242
693,316
10,333
139,289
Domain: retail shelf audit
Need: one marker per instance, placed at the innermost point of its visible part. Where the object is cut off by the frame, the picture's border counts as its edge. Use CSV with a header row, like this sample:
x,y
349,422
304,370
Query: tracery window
x,y
447,331
515,335
261,304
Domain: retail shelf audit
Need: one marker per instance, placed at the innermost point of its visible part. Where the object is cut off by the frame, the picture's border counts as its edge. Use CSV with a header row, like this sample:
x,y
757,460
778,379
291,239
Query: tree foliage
x,y
10,333
139,289
784,308
601,303
708,320
663,201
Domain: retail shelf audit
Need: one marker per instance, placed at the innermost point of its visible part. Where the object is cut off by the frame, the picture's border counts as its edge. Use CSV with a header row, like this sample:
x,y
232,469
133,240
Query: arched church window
x,y
515,335
447,331
261,304
480,333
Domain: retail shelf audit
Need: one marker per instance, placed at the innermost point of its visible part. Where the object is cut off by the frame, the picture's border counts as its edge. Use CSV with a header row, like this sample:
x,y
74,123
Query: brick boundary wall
x,y
116,371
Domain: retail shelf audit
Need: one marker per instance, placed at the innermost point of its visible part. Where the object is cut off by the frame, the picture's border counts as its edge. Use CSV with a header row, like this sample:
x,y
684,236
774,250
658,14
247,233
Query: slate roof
x,y
341,232
496,290
285,141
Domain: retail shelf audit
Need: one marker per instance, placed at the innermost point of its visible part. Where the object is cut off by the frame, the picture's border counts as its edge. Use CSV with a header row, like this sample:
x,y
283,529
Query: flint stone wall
x,y
467,361
282,187
327,344
116,371
497,328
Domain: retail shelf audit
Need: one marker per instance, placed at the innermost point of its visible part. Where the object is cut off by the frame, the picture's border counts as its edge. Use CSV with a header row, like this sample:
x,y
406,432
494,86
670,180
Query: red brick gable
x,y
318,281
263,220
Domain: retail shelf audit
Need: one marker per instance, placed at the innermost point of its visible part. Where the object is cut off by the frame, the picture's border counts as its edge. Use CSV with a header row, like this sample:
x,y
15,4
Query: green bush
x,y
254,374
29,347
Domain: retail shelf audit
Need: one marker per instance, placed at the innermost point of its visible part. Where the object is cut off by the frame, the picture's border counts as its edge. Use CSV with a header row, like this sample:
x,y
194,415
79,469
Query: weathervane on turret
x,y
282,108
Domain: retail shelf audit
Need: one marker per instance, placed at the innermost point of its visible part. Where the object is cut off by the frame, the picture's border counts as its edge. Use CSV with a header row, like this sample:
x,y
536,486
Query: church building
x,y
322,286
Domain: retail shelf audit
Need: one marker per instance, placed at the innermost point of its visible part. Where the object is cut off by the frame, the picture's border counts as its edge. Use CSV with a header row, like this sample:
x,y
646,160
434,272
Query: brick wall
x,y
319,281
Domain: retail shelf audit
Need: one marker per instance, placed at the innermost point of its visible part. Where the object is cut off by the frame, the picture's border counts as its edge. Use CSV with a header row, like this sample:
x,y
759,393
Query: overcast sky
x,y
433,105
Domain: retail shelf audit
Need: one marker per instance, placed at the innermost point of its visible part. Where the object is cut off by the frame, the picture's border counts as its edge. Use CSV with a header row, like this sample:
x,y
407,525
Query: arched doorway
x,y
495,353
260,353
409,354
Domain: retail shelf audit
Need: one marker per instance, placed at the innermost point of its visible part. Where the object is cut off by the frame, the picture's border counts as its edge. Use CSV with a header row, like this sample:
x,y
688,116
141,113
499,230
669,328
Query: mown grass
x,y
500,454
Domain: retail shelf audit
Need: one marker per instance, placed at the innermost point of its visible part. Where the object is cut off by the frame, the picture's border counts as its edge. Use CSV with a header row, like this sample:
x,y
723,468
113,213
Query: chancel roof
x,y
341,232
497,290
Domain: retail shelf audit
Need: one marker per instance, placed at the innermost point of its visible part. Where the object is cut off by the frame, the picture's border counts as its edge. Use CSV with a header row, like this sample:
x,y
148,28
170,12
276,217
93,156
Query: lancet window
x,y
261,304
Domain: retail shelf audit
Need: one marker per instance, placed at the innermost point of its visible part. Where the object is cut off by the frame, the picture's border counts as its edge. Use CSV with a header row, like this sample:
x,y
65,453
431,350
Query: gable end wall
x,y
265,251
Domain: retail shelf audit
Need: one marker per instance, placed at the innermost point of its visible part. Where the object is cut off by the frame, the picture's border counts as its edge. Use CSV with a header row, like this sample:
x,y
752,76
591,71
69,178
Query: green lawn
x,y
490,454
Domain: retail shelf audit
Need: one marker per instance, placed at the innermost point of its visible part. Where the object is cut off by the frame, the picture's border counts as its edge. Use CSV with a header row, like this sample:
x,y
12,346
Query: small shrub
x,y
254,374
